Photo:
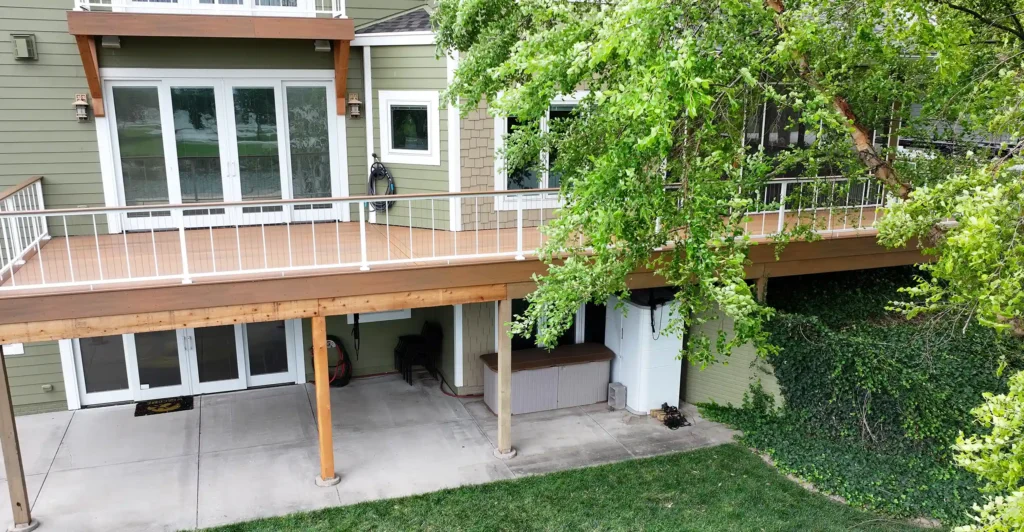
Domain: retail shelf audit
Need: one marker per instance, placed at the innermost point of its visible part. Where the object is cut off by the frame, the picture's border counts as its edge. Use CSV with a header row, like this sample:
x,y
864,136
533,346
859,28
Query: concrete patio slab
x,y
256,417
33,482
243,484
553,440
152,495
388,401
113,435
414,459
645,436
39,436
244,455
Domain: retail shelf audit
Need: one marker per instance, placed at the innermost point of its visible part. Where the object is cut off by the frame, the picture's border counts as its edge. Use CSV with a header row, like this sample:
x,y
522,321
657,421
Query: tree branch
x,y
981,18
866,152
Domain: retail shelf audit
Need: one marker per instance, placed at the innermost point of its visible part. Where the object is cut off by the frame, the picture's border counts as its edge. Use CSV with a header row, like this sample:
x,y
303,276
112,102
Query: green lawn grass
x,y
721,488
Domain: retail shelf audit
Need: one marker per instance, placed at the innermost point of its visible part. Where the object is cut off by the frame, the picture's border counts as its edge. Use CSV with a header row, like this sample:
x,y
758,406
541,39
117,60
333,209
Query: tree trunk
x,y
877,166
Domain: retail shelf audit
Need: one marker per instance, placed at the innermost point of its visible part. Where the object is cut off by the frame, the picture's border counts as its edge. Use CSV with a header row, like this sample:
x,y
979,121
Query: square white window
x,y
410,130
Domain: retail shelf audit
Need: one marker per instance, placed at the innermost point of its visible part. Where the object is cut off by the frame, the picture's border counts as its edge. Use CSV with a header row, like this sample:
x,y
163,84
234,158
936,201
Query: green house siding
x,y
726,381
39,134
379,338
29,373
413,68
363,12
158,52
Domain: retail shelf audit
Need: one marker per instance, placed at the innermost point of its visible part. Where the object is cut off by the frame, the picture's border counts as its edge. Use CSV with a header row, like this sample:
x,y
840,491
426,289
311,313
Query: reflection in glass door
x,y
200,163
215,355
155,358
102,370
310,138
257,150
268,357
141,166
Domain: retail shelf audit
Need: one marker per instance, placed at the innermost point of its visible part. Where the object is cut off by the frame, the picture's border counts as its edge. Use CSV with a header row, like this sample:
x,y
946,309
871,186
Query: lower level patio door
x,y
215,357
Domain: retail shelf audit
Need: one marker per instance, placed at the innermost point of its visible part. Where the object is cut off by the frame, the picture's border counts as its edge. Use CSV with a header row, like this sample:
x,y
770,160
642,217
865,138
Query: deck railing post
x,y
186,278
782,207
519,228
362,236
44,227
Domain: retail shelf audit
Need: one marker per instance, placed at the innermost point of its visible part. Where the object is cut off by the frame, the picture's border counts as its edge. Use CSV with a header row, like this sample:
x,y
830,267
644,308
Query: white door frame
x,y
164,78
86,398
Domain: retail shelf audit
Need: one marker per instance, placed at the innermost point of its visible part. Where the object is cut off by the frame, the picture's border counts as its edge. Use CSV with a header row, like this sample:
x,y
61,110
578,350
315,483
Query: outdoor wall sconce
x,y
81,107
353,105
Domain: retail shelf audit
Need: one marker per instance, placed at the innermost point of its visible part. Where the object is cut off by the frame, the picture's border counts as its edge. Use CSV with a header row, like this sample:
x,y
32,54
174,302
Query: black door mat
x,y
163,406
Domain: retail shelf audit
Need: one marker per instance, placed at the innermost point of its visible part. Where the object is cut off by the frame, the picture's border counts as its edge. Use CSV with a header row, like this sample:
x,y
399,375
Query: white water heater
x,y
646,361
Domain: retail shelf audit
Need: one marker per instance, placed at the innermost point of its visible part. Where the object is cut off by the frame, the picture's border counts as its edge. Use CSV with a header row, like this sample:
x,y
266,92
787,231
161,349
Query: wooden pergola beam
x,y
91,64
43,331
341,50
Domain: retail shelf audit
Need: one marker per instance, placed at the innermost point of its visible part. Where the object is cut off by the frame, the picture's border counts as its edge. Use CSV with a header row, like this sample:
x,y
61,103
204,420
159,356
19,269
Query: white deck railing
x,y
272,8
21,236
270,238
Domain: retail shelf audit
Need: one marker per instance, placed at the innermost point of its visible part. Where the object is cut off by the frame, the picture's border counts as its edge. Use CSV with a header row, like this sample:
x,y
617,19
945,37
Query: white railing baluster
x,y
127,256
156,259
213,249
519,228
238,247
387,226
263,231
433,245
782,207
67,244
365,265
476,222
186,278
39,259
312,229
411,254
337,236
288,228
96,239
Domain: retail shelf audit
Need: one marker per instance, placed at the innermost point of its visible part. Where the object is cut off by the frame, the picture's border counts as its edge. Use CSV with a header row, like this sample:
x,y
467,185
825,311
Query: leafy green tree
x,y
922,96
658,153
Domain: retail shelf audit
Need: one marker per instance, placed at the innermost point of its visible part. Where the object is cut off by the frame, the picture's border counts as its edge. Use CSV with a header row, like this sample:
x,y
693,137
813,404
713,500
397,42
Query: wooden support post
x,y
762,287
327,477
341,49
23,521
91,64
504,450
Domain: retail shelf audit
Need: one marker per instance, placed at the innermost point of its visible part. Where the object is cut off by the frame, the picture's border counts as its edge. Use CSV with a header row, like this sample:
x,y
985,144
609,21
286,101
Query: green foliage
x,y
998,459
872,402
979,270
724,488
656,154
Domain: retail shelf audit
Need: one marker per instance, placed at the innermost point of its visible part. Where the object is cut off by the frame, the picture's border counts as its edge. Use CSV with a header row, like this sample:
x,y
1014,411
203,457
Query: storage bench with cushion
x,y
569,375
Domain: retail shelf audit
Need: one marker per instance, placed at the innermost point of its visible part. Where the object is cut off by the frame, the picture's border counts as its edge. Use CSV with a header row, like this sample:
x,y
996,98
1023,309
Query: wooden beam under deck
x,y
219,26
113,309
260,312
341,50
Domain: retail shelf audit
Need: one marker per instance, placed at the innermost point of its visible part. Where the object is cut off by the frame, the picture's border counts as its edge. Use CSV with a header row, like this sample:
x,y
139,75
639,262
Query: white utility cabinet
x,y
645,362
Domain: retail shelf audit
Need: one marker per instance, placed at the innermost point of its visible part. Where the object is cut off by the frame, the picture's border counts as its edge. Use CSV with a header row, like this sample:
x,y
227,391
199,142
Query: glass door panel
x,y
267,353
102,371
259,163
309,142
215,353
198,144
158,363
313,160
141,165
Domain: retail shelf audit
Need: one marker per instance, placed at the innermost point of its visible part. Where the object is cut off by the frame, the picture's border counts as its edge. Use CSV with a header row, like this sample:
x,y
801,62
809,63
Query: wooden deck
x,y
148,259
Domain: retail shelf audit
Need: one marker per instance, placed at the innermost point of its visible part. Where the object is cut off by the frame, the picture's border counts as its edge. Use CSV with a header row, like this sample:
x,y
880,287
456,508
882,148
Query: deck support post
x,y
504,450
762,287
23,521
327,476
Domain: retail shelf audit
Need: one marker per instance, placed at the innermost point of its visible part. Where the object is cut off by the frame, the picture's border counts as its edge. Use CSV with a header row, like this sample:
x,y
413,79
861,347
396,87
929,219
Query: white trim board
x,y
429,99
405,38
454,152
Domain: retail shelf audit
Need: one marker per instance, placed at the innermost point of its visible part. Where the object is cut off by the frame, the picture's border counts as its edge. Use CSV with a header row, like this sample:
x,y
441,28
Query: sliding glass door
x,y
200,141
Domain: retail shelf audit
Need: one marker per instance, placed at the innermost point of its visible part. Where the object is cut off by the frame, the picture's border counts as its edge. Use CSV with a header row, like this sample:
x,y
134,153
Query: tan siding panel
x,y
727,380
